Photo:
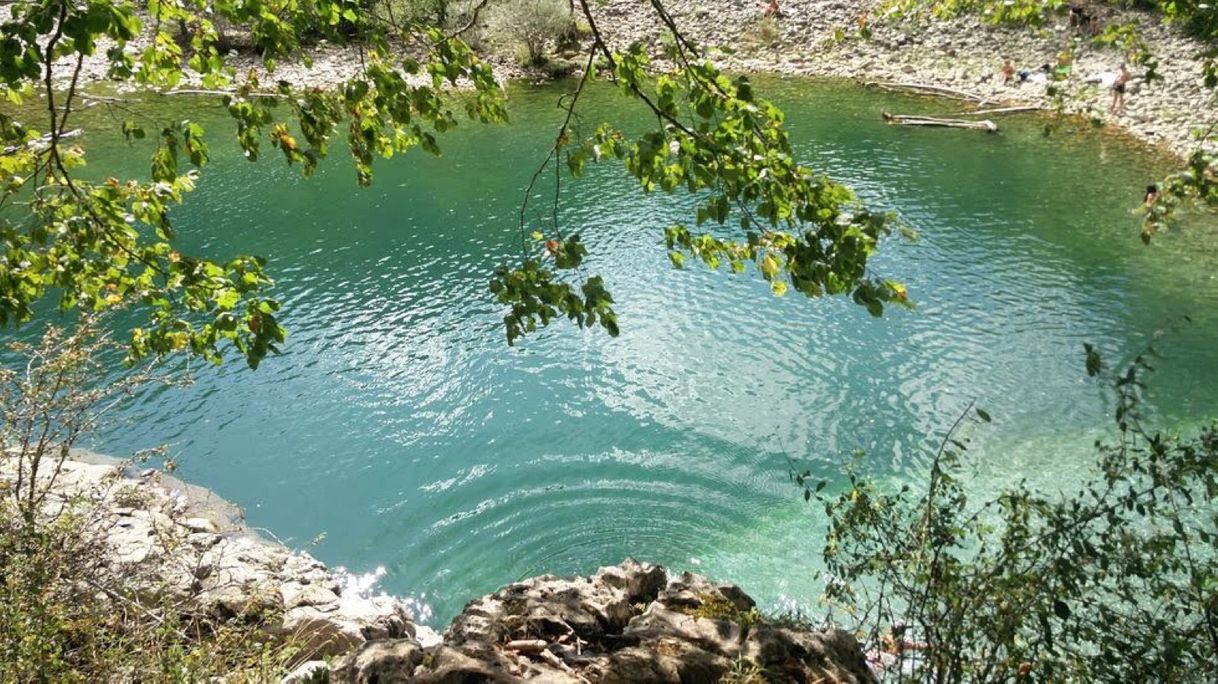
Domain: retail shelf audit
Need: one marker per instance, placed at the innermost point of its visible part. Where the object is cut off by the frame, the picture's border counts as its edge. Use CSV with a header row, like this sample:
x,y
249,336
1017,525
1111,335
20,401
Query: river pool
x,y
399,431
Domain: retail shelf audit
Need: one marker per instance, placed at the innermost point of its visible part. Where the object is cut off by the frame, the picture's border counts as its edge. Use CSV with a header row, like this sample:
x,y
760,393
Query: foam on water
x,y
357,590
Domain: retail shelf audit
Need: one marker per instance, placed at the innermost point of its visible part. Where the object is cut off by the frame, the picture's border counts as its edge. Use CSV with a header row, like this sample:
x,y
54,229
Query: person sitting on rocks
x,y
771,10
1119,85
1008,71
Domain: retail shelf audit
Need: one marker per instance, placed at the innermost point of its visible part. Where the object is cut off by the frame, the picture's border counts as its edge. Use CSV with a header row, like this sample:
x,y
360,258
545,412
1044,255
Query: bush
x,y
62,619
532,24
66,614
1113,582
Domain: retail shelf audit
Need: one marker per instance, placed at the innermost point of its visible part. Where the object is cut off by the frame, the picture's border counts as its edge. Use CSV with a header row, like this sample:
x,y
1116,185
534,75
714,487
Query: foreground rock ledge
x,y
161,538
626,623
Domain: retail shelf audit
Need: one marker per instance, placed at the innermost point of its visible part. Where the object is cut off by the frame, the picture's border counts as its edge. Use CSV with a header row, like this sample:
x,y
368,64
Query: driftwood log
x,y
906,120
43,142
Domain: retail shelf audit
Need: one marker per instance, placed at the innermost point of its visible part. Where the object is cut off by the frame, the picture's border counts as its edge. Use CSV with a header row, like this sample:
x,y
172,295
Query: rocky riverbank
x,y
626,623
162,540
822,38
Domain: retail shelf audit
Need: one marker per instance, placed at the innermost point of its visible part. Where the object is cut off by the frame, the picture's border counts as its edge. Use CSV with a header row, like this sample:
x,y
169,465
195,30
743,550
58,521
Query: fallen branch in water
x,y
229,93
41,143
905,120
941,91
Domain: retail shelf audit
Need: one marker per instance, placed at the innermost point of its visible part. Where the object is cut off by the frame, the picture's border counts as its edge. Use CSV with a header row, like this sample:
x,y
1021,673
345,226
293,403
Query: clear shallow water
x,y
400,426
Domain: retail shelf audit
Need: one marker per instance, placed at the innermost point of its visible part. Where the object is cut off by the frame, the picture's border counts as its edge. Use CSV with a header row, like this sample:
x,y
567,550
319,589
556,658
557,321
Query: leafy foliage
x,y
66,615
109,245
1112,582
58,396
716,139
61,622
1196,183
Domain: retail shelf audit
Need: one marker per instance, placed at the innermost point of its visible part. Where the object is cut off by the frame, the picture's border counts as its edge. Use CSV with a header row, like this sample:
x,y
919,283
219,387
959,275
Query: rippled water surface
x,y
401,427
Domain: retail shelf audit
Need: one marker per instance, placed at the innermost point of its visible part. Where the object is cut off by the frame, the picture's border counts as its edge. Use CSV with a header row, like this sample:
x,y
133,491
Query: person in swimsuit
x,y
1008,72
771,10
1118,90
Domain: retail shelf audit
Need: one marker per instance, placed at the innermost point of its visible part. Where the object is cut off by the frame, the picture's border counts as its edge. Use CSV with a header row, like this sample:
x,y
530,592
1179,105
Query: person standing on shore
x,y
1119,85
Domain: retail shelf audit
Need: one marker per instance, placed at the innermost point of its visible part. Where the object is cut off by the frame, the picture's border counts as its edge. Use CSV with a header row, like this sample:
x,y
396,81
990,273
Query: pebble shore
x,y
822,38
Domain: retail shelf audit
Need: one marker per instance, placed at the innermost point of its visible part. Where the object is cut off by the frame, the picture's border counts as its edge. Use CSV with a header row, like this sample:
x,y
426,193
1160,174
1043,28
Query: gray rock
x,y
451,666
427,637
723,637
200,525
379,662
625,624
295,595
668,661
318,634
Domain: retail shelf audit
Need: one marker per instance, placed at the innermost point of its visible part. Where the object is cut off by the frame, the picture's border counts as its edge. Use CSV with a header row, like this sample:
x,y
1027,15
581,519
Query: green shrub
x,y
66,614
1114,581
531,25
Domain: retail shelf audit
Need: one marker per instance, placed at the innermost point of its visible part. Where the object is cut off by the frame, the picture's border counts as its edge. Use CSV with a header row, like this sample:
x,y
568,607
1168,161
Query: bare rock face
x,y
626,623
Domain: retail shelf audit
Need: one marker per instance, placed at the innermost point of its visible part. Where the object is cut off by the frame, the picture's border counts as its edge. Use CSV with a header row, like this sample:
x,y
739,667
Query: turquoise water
x,y
400,426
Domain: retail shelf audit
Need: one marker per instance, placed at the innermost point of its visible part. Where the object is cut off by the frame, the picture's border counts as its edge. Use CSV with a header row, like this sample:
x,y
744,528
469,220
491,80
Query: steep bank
x,y
626,623
163,539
